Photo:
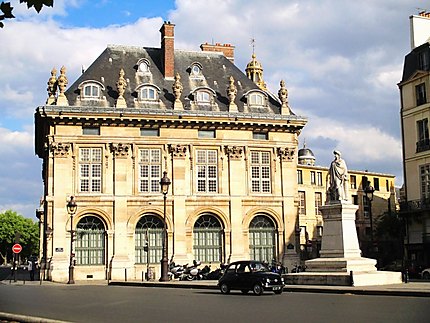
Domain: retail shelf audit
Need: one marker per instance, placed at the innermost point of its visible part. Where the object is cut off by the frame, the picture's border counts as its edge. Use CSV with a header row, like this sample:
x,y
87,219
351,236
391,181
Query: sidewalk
x,y
415,288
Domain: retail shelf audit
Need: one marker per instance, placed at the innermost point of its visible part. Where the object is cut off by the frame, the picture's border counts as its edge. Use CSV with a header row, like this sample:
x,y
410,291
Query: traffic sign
x,y
16,248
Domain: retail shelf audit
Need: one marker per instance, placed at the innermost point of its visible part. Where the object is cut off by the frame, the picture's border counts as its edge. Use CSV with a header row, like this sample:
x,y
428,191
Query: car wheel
x,y
279,291
257,289
426,275
244,291
224,288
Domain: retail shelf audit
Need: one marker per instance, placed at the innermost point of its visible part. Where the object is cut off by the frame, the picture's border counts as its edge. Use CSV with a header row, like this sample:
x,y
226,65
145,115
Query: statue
x,y
338,189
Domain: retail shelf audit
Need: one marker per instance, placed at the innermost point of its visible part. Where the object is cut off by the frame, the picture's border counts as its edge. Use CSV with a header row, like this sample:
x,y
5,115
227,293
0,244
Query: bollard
x,y
142,275
125,270
406,279
351,278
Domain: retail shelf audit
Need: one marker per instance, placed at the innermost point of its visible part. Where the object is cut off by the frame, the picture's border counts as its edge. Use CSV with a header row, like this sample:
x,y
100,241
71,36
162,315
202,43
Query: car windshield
x,y
257,266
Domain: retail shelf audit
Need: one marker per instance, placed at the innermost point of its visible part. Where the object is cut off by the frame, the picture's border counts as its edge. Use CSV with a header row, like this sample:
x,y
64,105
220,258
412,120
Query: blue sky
x,y
341,62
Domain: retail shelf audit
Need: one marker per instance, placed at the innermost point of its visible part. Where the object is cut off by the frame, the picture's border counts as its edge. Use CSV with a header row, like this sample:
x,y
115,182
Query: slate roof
x,y
216,70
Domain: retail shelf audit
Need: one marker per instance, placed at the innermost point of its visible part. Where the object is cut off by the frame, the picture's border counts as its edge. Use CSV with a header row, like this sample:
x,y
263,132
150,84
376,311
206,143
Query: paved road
x,y
79,303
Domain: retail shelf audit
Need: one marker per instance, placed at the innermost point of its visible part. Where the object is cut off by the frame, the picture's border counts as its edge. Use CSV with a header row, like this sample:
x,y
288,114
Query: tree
x,y
7,9
10,224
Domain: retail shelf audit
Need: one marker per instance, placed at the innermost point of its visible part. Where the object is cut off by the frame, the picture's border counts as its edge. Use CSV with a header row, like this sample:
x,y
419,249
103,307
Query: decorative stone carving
x,y
121,84
62,84
177,91
286,154
283,97
231,93
60,149
119,150
52,87
178,151
234,152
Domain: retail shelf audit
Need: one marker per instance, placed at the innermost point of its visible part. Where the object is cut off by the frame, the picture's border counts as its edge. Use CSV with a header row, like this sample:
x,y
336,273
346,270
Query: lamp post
x,y
71,209
164,183
369,190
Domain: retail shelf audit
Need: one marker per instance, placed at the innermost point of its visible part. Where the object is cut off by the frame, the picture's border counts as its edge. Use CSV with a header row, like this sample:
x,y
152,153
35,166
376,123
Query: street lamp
x,y
369,190
71,209
164,183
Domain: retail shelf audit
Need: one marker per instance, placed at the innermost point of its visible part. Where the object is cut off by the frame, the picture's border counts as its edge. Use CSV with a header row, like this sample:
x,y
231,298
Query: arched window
x,y
256,99
148,93
262,238
203,97
148,238
91,91
90,241
208,239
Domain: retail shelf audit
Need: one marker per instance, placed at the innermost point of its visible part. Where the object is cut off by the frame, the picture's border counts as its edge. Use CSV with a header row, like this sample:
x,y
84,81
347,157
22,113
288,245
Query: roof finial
x,y
253,46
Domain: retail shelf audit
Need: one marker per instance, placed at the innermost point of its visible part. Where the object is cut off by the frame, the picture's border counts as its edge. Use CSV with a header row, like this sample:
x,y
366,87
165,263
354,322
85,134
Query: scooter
x,y
191,272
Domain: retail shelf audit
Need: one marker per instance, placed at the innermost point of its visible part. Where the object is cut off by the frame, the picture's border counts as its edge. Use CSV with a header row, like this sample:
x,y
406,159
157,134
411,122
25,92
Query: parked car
x,y
425,274
250,275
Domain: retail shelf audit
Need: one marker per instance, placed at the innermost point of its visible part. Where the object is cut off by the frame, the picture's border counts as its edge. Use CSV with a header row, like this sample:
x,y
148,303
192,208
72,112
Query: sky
x,y
341,62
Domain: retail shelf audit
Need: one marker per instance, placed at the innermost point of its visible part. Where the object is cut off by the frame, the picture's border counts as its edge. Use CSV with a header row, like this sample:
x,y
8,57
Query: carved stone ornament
x,y
178,151
62,84
119,150
60,149
177,91
234,152
283,97
52,87
286,154
121,84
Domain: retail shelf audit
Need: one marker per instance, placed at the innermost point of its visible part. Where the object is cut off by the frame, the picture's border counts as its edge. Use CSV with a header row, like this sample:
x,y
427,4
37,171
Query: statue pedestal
x,y
341,255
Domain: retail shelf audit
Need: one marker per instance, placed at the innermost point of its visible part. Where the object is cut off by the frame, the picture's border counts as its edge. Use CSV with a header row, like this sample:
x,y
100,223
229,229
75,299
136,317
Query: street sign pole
x,y
16,249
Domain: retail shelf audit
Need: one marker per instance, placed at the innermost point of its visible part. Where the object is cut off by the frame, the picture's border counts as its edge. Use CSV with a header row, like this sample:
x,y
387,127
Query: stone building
x,y
227,144
415,115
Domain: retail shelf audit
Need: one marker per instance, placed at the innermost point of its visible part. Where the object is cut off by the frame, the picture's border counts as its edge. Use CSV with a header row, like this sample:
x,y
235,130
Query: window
x,y
195,70
260,135
299,176
149,132
376,183
207,171
353,181
420,92
91,91
423,142
425,181
207,239
148,93
319,179
206,134
318,202
423,61
387,185
366,206
255,99
302,203
262,239
90,170
203,97
91,131
313,178
144,67
303,235
364,182
90,241
355,199
260,172
148,239
149,170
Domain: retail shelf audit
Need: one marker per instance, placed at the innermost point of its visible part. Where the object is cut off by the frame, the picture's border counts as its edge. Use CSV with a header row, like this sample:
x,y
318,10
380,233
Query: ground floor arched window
x,y
90,241
262,239
148,238
208,239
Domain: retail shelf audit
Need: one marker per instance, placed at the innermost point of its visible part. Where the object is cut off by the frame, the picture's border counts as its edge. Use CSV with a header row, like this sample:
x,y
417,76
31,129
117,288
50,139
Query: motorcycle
x,y
191,272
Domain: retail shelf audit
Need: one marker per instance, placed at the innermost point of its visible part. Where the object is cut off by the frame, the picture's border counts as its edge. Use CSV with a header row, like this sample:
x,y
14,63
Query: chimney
x,y
226,49
168,49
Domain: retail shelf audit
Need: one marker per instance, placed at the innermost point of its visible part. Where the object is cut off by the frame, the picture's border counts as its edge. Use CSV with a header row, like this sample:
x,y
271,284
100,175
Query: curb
x,y
8,317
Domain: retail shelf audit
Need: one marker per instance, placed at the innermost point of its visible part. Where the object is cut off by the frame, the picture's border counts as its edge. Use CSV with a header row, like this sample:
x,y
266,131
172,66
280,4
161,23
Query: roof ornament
x,y
177,91
231,93
283,97
254,70
121,84
62,84
52,87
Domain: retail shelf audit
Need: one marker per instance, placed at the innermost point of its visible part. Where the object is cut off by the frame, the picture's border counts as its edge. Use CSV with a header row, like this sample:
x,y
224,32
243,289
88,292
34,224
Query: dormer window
x,y
256,99
196,70
91,90
148,92
143,66
203,97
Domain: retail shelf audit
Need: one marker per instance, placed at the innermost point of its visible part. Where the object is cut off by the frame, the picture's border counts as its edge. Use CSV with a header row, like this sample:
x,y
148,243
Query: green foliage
x,y
10,223
7,9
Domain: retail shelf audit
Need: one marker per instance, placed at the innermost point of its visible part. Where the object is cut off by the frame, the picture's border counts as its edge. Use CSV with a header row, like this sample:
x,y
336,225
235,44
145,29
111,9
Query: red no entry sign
x,y
16,248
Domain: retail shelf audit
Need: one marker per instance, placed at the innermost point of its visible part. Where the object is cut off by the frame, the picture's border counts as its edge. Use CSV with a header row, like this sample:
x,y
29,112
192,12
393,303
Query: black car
x,y
250,275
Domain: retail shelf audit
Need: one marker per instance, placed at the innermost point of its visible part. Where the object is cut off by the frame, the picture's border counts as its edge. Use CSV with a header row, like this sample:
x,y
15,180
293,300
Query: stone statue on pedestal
x,y
338,189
